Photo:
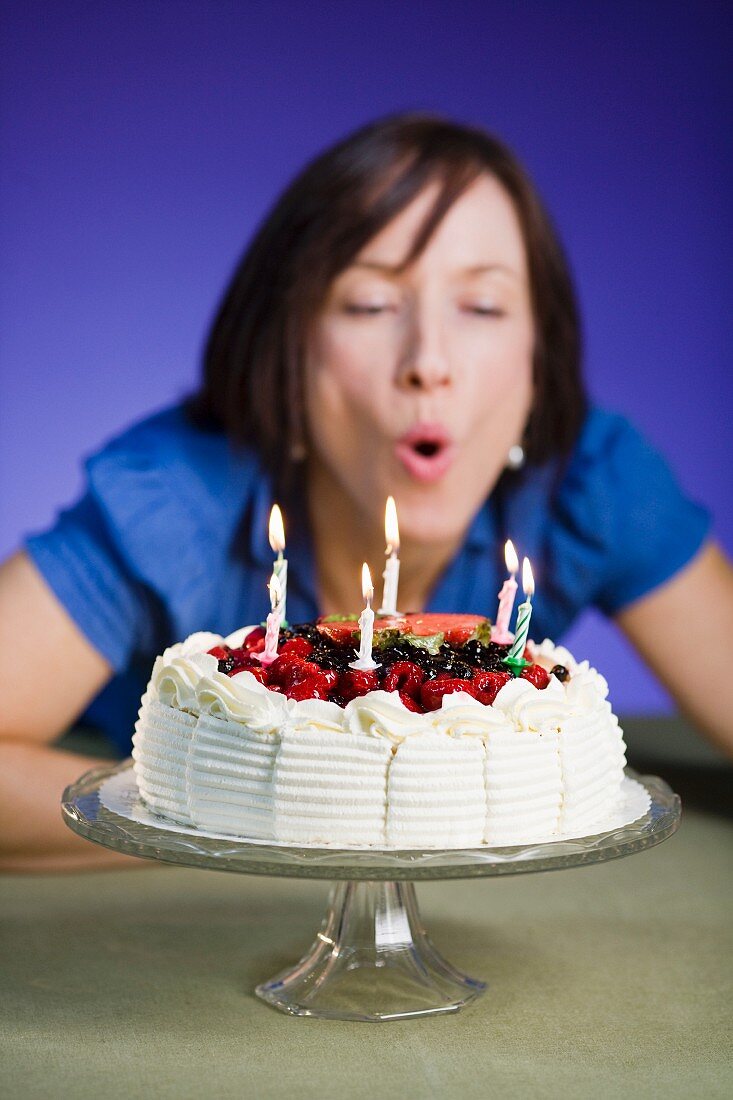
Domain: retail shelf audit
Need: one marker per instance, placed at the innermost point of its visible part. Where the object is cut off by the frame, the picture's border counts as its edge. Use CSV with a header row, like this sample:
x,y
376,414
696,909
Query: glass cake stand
x,y
372,959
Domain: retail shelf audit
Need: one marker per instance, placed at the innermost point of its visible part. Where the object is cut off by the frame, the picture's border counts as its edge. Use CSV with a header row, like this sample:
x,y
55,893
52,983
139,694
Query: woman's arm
x,y
48,674
683,630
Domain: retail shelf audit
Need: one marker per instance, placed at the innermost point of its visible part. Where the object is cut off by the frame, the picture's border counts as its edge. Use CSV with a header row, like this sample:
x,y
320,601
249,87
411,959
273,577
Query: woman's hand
x,y
48,674
683,630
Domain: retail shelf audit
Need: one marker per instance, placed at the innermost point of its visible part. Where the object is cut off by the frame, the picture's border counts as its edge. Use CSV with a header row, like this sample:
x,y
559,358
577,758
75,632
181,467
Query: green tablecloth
x,y
611,980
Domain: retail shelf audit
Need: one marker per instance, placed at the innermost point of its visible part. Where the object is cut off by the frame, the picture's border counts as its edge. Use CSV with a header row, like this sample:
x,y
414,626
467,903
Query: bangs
x,y
401,184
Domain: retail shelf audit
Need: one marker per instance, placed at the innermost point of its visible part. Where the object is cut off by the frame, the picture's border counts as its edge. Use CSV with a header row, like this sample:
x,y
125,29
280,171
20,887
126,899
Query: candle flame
x,y
367,589
277,531
527,579
391,528
276,591
510,557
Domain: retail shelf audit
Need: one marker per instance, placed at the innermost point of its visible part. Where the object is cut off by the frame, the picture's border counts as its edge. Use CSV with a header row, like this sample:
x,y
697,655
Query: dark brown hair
x,y
254,357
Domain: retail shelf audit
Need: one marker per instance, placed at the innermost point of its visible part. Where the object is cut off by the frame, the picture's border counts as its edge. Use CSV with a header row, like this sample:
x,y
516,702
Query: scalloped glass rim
x,y
85,814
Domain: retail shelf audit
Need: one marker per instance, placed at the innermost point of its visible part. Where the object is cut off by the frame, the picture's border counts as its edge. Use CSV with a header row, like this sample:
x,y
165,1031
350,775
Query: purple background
x,y
142,141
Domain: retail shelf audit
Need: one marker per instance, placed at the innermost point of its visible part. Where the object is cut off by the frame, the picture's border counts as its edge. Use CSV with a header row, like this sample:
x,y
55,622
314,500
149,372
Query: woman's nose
x,y
424,363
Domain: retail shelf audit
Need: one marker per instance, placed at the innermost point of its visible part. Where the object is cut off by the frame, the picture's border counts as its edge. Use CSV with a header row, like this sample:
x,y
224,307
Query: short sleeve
x,y
79,561
623,513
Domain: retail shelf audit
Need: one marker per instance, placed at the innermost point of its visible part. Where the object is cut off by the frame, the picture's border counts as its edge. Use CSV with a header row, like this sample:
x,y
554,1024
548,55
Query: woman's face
x,y
419,382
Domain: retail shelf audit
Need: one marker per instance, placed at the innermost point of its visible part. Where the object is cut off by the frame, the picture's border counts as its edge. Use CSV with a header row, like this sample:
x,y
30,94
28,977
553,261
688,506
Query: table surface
x,y
613,978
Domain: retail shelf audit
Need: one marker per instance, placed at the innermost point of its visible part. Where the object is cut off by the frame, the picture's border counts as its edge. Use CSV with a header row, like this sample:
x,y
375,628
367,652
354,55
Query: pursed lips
x,y
426,452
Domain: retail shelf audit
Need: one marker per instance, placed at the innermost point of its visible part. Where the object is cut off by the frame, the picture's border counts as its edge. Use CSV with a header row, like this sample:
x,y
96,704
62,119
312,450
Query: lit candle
x,y
274,619
392,567
277,542
515,659
366,624
500,632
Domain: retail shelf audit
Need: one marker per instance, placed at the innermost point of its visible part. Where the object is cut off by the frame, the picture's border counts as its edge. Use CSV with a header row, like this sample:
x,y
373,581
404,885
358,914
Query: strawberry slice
x,y
345,631
221,652
432,692
456,629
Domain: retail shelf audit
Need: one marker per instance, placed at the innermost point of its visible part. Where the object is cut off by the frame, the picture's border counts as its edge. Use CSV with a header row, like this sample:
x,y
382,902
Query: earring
x,y
515,457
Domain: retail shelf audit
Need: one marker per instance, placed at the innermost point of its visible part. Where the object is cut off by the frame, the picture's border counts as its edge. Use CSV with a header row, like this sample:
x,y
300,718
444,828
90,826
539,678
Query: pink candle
x,y
274,619
500,632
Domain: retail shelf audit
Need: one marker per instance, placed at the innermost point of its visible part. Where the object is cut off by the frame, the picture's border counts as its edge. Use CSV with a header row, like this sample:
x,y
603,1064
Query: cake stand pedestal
x,y
371,960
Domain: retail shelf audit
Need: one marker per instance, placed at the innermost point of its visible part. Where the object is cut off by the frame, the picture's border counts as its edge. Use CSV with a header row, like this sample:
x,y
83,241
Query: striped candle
x,y
524,614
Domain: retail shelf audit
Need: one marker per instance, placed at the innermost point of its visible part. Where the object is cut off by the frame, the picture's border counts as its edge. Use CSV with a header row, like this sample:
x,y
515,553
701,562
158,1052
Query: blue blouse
x,y
170,537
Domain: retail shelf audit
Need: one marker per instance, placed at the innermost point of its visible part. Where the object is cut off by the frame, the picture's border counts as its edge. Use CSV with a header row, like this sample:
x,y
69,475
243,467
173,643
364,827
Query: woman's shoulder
x,y
621,511
166,462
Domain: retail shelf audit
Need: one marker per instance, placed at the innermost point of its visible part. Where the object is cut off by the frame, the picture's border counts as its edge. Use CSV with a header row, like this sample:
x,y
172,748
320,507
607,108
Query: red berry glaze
x,y
221,652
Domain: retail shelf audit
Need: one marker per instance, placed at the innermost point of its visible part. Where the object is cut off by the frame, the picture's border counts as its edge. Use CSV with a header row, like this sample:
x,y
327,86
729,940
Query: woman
x,y
403,322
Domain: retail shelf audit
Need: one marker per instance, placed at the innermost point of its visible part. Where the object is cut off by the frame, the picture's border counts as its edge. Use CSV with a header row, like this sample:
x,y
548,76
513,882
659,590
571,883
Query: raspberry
x,y
536,675
488,685
221,652
286,669
405,677
255,640
431,693
257,671
410,703
299,647
313,686
356,681
331,677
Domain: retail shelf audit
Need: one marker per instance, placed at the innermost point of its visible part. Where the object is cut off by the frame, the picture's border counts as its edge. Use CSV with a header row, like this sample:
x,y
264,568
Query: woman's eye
x,y
486,311
368,309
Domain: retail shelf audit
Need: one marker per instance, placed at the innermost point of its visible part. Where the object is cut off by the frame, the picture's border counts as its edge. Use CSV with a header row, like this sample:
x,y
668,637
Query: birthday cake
x,y
441,745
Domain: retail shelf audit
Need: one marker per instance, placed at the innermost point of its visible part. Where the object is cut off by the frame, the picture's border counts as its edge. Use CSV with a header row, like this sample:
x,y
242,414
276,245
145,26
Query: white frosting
x,y
230,755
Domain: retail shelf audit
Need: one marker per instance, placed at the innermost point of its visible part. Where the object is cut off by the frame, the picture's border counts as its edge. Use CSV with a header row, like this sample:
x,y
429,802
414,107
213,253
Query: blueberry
x,y
560,672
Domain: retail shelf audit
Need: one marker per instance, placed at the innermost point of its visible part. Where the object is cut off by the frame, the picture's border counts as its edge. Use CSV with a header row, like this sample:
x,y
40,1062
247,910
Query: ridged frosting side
x,y
436,794
229,755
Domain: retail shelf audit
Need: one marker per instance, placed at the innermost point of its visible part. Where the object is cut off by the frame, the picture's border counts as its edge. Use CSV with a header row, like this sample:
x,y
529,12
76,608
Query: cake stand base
x,y
371,961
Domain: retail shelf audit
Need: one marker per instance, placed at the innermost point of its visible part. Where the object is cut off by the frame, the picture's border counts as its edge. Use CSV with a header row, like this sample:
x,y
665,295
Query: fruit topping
x,y
560,672
423,657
